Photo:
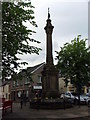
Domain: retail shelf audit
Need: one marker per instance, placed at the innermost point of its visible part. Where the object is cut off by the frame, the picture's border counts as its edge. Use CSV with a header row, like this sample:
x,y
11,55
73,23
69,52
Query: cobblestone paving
x,y
26,113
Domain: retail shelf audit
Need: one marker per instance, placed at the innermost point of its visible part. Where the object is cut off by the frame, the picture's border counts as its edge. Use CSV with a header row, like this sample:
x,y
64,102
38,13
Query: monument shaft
x,y
49,30
49,73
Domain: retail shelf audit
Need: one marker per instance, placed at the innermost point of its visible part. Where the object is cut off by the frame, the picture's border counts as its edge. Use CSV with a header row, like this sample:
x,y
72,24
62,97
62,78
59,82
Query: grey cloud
x,y
69,20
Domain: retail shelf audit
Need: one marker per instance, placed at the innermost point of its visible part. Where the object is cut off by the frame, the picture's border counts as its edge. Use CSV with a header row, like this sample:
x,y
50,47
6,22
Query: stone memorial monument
x,y
49,73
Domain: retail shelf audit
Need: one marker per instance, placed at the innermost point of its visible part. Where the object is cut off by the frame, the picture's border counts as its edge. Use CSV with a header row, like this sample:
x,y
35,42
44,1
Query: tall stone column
x,y
49,73
49,30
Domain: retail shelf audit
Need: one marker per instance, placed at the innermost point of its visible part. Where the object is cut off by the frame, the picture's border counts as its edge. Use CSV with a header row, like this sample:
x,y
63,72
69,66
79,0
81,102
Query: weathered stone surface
x,y
49,73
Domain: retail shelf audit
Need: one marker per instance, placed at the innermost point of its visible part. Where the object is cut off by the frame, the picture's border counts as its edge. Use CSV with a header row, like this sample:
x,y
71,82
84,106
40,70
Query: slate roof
x,y
34,68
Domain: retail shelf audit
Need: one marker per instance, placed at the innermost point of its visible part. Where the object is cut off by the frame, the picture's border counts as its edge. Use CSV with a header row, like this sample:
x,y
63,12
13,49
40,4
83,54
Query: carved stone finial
x,y
48,14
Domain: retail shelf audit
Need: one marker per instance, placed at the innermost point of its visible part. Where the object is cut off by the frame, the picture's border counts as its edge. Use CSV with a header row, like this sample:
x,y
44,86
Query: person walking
x,y
21,101
25,99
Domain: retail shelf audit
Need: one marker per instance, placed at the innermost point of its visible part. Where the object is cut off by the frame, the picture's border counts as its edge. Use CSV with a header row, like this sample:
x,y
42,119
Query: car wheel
x,y
88,103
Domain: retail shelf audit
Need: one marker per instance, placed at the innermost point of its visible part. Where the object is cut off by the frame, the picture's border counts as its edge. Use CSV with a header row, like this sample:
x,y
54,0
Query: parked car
x,y
74,99
88,94
85,97
82,99
88,102
68,95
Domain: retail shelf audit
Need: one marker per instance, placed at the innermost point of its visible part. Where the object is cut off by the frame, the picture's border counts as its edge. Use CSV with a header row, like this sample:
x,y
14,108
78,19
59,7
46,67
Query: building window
x,y
17,83
9,88
18,94
27,93
13,83
39,79
3,88
21,82
6,95
27,81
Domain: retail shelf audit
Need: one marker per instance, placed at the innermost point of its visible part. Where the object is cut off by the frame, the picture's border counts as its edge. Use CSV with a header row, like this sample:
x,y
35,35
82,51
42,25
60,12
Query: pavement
x,y
26,113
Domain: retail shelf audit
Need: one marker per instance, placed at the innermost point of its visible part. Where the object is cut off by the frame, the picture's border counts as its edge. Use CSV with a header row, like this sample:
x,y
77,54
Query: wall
x,y
25,87
70,87
5,91
62,88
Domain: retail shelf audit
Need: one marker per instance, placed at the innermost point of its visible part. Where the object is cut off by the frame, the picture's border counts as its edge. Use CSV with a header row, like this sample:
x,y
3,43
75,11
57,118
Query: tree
x,y
16,37
74,63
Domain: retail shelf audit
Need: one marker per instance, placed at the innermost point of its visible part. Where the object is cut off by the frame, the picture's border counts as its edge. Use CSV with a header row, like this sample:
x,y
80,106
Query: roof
x,y
34,68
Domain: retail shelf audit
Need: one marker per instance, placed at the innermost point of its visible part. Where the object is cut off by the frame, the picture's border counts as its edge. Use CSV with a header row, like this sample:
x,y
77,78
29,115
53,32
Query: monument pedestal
x,y
50,82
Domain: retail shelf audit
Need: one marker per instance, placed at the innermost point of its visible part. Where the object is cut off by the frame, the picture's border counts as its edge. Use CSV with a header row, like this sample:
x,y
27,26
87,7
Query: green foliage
x,y
16,38
74,62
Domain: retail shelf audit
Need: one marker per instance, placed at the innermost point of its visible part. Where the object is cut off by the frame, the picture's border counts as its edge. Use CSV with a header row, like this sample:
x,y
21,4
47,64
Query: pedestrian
x,y
24,99
21,101
64,102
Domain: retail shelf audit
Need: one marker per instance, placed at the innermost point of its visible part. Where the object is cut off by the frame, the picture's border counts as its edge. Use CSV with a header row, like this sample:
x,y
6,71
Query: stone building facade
x,y
27,81
5,89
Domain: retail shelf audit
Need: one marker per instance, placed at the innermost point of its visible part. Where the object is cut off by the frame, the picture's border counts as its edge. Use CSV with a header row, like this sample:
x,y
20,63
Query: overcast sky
x,y
69,18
